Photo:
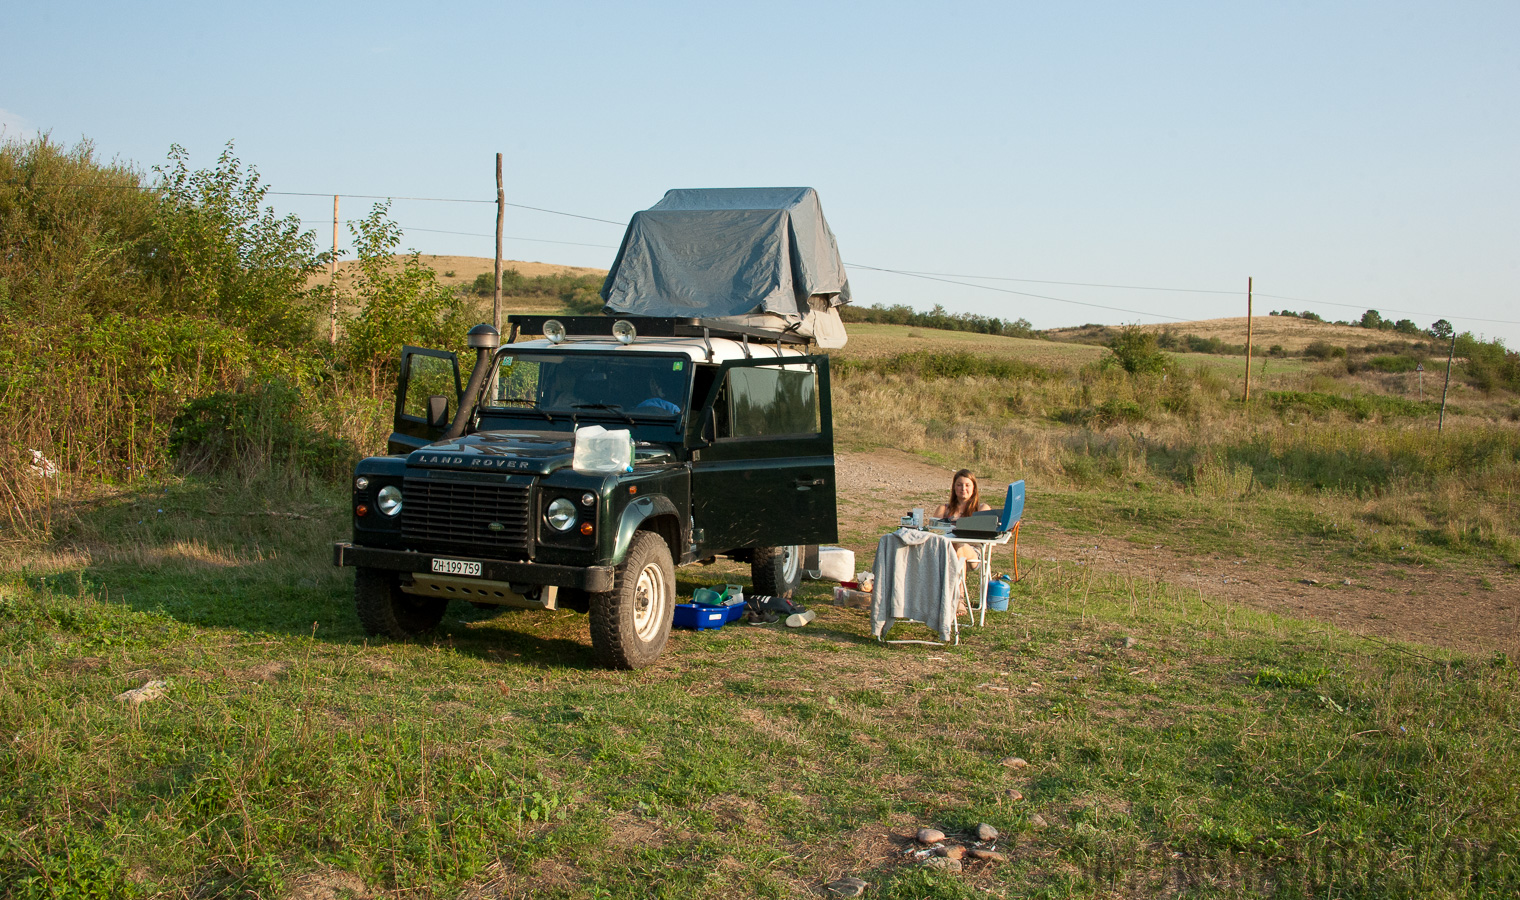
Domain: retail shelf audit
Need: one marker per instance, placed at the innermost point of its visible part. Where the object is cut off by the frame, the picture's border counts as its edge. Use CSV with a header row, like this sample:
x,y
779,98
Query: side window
x,y
764,401
428,376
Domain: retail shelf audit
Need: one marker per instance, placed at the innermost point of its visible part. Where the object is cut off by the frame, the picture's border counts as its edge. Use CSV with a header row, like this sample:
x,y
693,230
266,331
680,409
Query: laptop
x,y
993,522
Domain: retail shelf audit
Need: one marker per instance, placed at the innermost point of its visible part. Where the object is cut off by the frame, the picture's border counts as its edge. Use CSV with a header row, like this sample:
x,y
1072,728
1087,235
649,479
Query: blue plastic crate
x,y
692,615
735,612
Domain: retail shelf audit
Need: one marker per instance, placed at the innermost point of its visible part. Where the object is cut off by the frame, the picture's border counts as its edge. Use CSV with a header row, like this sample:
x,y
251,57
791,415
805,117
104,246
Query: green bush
x,y
224,255
247,431
1489,365
76,234
1393,364
1136,352
1324,350
401,303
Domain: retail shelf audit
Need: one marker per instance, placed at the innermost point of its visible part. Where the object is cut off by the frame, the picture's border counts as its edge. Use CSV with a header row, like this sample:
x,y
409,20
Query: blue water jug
x,y
997,594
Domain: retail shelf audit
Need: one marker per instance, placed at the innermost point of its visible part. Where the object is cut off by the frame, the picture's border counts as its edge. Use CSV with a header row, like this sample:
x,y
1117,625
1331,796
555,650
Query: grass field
x,y
1176,744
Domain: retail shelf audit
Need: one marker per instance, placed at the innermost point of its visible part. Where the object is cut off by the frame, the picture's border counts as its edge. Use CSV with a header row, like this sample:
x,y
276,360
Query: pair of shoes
x,y
761,618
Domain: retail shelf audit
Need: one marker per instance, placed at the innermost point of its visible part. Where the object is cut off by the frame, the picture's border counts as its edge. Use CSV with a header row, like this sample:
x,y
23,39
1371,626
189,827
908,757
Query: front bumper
x,y
593,579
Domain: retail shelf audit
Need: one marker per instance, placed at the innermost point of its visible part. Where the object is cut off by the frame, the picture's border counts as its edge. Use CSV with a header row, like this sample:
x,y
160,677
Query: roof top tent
x,y
756,257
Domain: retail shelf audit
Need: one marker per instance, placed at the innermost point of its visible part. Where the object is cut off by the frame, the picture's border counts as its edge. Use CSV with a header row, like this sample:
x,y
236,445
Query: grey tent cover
x,y
727,252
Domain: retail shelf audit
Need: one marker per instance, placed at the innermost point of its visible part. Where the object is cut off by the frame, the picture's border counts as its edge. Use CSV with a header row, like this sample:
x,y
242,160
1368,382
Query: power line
x,y
508,237
1138,287
552,212
375,197
988,287
133,187
505,237
1130,287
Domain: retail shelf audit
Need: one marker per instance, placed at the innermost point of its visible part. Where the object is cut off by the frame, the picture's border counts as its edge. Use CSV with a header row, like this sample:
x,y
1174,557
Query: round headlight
x,y
554,330
389,500
588,499
361,483
624,331
560,514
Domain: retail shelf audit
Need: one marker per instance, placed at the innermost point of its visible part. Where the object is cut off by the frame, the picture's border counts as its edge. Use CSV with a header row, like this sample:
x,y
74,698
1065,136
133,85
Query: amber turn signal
x,y
585,528
362,509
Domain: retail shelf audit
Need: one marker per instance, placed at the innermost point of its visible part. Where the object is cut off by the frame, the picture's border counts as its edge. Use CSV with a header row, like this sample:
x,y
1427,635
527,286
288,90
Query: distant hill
x,y
462,270
1291,333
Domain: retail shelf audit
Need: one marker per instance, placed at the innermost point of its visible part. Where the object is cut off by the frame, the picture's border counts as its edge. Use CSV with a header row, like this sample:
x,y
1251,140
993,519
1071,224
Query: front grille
x,y
460,514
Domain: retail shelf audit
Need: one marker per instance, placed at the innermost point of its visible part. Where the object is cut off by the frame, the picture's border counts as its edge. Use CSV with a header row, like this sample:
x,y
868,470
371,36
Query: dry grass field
x,y
1291,333
462,270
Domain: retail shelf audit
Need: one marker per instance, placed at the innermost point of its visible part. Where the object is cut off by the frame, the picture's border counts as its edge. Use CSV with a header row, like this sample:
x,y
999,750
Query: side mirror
x,y
438,411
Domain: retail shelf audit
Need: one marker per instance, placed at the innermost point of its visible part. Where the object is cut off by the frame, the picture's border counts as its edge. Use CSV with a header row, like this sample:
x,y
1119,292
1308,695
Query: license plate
x,y
456,567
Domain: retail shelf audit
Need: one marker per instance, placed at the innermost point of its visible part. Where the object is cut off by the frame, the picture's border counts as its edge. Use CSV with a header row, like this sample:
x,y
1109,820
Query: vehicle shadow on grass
x,y
213,553
256,558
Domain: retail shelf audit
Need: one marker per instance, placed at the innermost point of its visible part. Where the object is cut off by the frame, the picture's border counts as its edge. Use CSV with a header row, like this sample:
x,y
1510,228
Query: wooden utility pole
x,y
501,208
332,279
1250,323
1441,422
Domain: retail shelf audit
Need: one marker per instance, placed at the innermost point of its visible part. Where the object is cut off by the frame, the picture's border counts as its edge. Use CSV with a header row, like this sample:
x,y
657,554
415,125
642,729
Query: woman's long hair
x,y
953,509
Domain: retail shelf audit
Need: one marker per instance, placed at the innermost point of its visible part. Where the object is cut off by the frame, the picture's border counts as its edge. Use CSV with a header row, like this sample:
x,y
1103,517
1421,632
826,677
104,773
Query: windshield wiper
x,y
526,402
611,407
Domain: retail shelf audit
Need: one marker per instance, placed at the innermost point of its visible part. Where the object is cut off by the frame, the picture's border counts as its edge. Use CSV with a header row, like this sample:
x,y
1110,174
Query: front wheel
x,y
385,609
776,571
631,623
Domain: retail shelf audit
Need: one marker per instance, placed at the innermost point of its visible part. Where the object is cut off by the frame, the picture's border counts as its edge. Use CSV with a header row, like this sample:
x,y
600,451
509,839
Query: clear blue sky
x,y
1341,153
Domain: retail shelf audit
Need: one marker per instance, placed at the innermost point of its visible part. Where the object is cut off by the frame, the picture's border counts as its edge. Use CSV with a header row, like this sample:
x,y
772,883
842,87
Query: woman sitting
x,y
965,499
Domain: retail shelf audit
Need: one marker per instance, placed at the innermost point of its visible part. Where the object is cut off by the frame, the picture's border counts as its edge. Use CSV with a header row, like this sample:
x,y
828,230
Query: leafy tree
x,y
1371,319
401,303
1442,329
1406,326
226,256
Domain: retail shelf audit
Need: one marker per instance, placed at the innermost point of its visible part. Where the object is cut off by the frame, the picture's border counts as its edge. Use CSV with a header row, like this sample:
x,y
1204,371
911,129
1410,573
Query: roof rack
x,y
656,326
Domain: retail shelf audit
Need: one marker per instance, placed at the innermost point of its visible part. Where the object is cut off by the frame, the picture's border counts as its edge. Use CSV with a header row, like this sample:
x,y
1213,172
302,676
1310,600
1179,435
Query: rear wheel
x,y
631,623
776,571
385,609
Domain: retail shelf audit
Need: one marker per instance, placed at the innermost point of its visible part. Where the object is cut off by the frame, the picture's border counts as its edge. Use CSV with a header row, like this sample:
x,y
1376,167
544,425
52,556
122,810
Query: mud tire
x,y
776,571
630,624
387,611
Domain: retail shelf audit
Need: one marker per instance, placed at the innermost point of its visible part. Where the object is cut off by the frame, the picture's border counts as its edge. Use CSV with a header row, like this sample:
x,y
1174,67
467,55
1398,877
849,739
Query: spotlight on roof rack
x,y
554,330
624,331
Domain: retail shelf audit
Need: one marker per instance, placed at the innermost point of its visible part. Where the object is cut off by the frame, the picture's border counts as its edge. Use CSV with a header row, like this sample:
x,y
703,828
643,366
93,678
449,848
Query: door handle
x,y
805,483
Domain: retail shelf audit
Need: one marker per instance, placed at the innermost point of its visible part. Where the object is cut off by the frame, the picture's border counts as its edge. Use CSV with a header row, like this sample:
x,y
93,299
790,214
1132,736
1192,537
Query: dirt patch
x,y
273,670
84,664
1465,609
328,884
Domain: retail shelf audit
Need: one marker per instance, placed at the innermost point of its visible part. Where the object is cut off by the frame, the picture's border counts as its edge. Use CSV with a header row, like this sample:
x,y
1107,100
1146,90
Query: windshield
x,y
624,385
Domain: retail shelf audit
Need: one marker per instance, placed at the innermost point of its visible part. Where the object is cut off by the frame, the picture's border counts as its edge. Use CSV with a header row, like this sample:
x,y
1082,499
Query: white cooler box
x,y
834,564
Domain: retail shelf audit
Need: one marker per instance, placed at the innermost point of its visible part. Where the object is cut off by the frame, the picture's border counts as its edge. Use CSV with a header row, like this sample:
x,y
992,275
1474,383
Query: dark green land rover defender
x,y
480,501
